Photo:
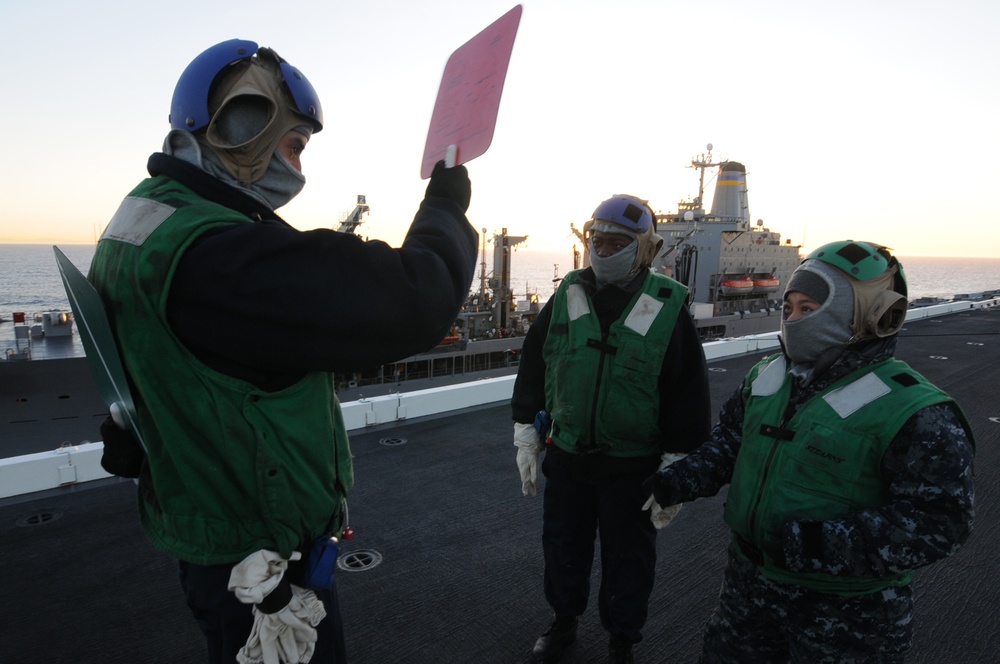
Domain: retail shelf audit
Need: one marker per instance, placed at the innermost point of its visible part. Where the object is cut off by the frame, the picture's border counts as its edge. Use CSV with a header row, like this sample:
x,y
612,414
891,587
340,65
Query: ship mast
x,y
482,273
501,264
702,162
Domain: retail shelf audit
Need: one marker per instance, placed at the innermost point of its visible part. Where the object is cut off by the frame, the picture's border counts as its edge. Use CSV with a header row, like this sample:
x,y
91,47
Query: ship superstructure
x,y
736,271
493,310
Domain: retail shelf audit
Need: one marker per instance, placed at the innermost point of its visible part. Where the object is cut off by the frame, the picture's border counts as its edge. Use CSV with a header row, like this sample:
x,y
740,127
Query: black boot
x,y
551,644
619,651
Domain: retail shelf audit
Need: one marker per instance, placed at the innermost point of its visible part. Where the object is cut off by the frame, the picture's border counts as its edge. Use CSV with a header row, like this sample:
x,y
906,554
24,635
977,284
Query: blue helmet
x,y
189,108
634,217
629,211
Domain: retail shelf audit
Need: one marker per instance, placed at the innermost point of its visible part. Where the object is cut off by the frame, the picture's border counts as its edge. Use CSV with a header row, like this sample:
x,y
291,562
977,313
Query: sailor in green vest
x,y
230,324
847,470
612,384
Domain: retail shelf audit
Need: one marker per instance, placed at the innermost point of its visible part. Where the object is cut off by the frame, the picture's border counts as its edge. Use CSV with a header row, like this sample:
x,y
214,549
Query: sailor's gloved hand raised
x,y
285,616
451,183
529,448
661,514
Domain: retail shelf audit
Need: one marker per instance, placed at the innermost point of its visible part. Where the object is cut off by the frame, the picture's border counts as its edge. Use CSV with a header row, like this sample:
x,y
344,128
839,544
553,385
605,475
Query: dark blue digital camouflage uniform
x,y
928,468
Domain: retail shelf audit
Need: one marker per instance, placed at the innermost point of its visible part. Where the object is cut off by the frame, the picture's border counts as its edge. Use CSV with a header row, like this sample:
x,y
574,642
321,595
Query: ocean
x,y
30,283
926,277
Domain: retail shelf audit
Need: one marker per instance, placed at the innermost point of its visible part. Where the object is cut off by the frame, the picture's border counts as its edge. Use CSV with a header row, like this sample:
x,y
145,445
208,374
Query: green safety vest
x,y
825,462
603,394
231,468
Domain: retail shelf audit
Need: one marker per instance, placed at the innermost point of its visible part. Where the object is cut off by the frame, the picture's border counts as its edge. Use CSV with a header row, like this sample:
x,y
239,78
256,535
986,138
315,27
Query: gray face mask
x,y
825,332
280,183
615,269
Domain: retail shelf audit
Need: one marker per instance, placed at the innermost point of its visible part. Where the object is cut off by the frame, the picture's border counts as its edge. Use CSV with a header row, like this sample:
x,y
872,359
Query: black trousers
x,y
226,621
585,495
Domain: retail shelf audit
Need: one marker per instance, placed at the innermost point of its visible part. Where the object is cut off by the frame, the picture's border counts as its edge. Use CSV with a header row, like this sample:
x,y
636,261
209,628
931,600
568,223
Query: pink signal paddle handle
x,y
465,113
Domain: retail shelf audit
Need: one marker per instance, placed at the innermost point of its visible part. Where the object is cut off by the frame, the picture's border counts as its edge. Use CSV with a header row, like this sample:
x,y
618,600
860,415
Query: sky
x,y
863,119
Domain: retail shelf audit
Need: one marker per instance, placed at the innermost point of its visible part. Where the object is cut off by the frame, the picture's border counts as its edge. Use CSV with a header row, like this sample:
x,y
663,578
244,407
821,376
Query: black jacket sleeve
x,y
709,467
264,298
685,401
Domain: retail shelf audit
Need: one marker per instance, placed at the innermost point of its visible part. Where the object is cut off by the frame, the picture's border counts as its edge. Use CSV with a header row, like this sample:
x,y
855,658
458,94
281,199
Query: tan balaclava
x,y
251,111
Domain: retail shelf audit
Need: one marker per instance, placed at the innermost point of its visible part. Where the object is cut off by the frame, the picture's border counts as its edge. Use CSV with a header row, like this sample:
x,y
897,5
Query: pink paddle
x,y
465,112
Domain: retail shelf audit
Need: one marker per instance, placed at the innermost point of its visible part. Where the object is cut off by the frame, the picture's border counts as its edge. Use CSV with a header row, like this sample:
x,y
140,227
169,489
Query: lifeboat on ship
x,y
765,285
736,286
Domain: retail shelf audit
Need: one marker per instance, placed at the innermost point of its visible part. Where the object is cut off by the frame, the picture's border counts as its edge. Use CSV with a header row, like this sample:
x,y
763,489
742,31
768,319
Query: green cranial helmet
x,y
878,281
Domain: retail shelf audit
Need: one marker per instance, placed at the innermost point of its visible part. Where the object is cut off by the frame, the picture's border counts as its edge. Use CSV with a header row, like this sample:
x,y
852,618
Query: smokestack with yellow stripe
x,y
730,199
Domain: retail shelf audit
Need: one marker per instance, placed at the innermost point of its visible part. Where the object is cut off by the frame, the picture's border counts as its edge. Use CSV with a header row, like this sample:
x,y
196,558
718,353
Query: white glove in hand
x,y
528,450
662,516
287,636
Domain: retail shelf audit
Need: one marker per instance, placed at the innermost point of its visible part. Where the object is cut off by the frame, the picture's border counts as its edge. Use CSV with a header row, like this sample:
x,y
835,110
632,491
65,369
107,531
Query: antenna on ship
x,y
702,162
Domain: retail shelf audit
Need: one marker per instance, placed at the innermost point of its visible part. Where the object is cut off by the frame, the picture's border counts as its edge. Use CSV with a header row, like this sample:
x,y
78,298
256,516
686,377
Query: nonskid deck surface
x,y
461,571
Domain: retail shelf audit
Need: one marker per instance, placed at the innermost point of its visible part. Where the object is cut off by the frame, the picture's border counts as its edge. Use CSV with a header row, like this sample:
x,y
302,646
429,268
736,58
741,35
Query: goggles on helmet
x,y
629,211
634,216
189,106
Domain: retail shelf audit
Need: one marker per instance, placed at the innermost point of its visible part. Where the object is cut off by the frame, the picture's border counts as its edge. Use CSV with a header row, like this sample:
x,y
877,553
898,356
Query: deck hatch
x,y
39,518
361,560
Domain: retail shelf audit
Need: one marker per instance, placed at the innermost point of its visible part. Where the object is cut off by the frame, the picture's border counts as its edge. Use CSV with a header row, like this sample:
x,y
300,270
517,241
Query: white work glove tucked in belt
x,y
661,516
284,623
529,447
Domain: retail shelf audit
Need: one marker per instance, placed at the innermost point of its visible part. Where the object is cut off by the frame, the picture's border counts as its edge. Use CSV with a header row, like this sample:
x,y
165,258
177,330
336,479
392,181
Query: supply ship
x,y
484,342
735,271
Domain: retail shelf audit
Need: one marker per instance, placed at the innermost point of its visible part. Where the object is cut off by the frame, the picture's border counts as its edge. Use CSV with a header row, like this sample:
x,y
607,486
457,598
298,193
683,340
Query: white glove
x,y
662,516
253,579
285,637
528,450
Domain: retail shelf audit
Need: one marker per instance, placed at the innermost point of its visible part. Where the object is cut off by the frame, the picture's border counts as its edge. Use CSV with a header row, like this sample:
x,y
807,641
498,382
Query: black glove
x,y
657,485
451,183
123,456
